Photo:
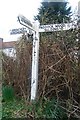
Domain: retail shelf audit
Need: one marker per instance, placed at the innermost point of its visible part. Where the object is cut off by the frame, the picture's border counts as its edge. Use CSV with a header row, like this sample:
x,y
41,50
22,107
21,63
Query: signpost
x,y
35,28
35,53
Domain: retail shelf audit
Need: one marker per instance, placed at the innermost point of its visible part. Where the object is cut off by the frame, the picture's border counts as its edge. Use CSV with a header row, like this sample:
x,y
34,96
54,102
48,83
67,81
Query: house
x,y
7,47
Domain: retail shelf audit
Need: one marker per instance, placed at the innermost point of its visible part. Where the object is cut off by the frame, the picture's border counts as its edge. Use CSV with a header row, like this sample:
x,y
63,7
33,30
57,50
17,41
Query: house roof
x,y
10,44
5,45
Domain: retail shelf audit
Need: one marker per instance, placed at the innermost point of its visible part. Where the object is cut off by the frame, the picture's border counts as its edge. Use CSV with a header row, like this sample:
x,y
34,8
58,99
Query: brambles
x,y
58,73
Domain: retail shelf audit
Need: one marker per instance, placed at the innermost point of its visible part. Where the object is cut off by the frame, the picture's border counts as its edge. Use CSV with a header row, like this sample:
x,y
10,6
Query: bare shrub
x,y
58,69
17,71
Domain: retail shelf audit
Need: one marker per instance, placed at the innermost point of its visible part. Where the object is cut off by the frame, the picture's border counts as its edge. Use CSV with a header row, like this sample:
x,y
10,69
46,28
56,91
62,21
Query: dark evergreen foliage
x,y
53,12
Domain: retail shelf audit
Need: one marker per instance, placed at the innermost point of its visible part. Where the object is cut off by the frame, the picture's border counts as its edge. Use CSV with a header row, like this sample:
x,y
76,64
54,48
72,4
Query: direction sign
x,y
56,27
25,22
18,31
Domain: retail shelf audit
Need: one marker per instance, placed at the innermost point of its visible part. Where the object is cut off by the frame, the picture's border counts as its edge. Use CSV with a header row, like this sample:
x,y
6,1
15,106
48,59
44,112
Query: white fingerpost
x,y
36,29
35,59
35,53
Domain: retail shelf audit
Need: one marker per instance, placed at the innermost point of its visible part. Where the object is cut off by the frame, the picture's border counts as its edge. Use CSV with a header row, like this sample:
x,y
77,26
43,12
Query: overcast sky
x,y
10,9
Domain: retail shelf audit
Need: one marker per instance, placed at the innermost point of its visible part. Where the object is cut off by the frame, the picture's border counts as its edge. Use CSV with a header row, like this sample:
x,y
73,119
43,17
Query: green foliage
x,y
49,109
37,109
13,109
7,93
53,12
52,110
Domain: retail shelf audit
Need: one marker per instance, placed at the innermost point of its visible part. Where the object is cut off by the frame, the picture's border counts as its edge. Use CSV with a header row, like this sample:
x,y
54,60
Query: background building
x,y
7,47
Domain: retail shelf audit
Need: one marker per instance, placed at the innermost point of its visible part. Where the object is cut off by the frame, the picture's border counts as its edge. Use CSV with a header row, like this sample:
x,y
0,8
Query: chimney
x,y
79,9
1,43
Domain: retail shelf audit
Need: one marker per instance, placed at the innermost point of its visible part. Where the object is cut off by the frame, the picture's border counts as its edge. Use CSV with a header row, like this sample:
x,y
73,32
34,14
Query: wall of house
x,y
8,47
9,52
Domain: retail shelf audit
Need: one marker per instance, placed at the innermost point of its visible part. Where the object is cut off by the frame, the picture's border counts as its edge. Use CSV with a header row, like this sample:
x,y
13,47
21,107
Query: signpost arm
x,y
26,25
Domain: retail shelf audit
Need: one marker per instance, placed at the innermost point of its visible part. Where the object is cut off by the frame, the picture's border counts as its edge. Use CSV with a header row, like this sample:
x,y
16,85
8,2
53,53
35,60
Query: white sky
x,y
10,9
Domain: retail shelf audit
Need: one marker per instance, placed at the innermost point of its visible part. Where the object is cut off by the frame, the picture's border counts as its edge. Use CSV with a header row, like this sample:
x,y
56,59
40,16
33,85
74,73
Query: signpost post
x,y
35,52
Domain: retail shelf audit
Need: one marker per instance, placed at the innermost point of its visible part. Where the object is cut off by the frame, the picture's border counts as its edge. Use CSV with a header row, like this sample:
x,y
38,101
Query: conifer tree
x,y
53,12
